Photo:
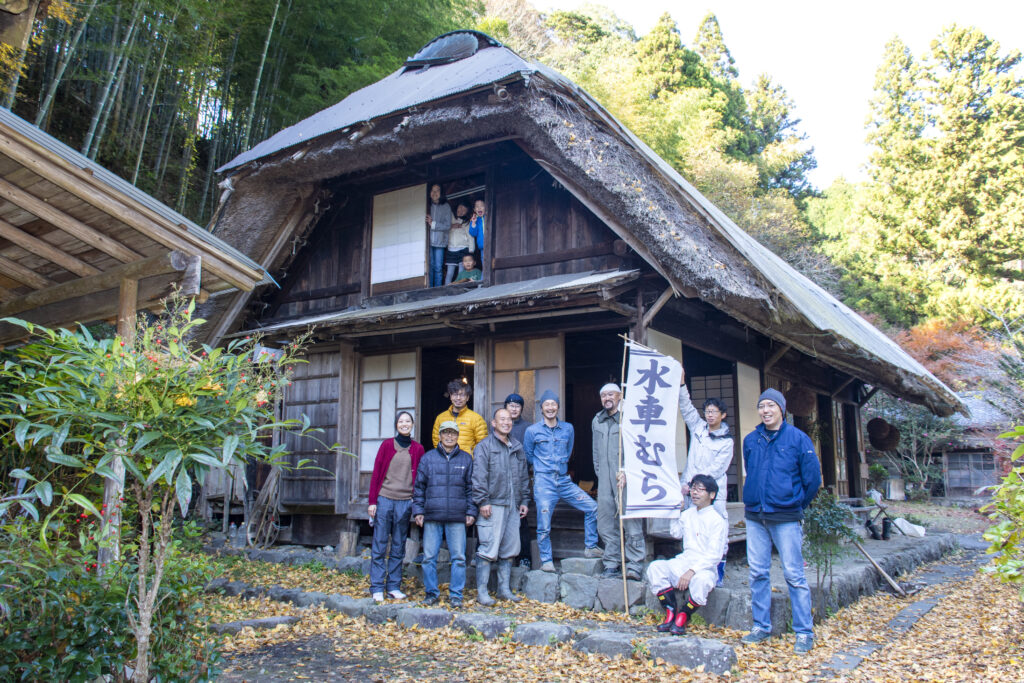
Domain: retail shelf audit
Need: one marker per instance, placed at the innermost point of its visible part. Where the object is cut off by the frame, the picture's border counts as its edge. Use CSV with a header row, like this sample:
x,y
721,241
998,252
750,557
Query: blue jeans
x,y
455,534
548,489
788,539
436,266
390,529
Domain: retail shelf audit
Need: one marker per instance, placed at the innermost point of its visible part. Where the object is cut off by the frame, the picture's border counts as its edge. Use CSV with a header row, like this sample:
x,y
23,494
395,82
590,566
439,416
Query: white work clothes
x,y
710,452
703,533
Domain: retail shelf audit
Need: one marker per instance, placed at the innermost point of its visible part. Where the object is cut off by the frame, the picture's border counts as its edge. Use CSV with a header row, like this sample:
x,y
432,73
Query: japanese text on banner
x,y
649,412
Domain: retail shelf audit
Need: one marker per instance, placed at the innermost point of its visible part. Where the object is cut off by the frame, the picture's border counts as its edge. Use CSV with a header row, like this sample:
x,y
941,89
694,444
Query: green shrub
x,y
64,622
1007,514
826,528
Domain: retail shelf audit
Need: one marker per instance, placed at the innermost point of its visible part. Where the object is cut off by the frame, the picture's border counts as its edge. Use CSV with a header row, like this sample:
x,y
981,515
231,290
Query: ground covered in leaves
x,y
958,520
974,633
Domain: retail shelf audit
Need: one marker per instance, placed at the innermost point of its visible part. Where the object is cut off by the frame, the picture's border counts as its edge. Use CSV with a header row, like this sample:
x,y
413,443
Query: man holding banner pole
x,y
605,428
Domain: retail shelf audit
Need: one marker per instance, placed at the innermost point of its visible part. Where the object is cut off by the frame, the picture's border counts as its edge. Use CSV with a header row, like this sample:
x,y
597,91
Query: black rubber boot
x,y
873,530
683,616
667,598
886,529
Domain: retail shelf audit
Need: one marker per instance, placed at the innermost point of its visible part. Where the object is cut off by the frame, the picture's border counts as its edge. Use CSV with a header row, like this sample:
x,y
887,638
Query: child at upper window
x,y
469,270
476,224
460,242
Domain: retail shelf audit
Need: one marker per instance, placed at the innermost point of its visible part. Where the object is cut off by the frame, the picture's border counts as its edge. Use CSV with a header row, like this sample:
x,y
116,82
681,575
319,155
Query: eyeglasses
x,y
712,411
697,489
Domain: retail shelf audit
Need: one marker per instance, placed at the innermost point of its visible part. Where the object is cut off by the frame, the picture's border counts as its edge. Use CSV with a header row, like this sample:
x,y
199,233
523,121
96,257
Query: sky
x,y
824,53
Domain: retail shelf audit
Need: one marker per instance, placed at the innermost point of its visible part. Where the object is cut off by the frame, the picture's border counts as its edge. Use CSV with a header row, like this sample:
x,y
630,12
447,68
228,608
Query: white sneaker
x,y
397,595
378,597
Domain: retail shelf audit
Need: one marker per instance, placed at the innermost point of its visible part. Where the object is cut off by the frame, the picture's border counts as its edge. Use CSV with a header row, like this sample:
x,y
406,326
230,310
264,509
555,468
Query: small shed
x,y
80,244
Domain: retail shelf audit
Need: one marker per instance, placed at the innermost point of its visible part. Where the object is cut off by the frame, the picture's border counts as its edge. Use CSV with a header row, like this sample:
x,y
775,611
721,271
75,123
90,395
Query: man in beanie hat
x,y
514,404
548,446
783,476
605,429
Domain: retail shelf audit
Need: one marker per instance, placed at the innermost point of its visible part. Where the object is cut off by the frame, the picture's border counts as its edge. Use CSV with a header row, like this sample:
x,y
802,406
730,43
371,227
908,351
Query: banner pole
x,y
622,491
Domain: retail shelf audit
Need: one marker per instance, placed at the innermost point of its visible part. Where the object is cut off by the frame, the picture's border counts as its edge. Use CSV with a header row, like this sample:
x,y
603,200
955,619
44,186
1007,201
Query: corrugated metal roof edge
x,y
568,282
115,182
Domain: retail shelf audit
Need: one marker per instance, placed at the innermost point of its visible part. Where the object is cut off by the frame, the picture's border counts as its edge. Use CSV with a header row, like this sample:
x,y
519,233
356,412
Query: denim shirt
x,y
548,448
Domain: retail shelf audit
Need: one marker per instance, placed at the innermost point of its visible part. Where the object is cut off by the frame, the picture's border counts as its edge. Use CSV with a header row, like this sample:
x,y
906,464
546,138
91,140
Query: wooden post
x,y
110,551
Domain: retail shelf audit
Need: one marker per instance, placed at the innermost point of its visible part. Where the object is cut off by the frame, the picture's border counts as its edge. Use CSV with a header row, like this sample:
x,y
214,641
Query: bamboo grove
x,y
163,92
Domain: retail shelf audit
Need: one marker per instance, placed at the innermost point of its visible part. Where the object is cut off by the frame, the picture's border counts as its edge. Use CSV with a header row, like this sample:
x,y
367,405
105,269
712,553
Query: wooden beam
x,y
657,306
104,306
46,250
842,386
68,224
776,357
16,271
171,262
82,184
622,309
127,303
867,397
526,260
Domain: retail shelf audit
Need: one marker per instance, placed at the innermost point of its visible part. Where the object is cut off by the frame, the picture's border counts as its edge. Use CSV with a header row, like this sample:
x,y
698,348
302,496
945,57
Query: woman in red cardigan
x,y
394,472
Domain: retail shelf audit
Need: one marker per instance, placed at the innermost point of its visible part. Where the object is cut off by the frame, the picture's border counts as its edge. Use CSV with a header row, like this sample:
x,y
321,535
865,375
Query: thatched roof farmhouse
x,y
589,234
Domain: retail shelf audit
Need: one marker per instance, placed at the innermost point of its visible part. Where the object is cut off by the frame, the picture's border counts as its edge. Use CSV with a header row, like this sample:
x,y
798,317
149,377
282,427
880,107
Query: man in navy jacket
x,y
783,476
442,503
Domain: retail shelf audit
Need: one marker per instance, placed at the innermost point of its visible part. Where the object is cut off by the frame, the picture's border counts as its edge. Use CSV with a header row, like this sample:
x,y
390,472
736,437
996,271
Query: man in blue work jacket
x,y
548,445
783,476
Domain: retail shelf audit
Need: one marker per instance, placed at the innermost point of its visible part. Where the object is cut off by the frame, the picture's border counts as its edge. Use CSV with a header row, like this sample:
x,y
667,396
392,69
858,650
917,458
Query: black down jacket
x,y
443,491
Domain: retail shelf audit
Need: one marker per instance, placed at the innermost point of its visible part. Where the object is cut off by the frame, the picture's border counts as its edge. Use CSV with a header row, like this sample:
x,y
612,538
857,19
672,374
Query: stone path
x,y
579,586
966,566
622,640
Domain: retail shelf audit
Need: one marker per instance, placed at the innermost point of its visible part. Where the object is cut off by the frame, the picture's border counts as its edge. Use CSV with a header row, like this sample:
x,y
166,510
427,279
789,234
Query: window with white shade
x,y
388,387
399,243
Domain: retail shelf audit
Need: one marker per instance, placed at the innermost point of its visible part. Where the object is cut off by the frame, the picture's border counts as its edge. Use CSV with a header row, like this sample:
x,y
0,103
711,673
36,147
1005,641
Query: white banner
x,y
650,408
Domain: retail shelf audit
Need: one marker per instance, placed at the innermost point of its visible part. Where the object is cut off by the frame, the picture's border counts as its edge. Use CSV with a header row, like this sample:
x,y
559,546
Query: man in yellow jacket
x,y
472,427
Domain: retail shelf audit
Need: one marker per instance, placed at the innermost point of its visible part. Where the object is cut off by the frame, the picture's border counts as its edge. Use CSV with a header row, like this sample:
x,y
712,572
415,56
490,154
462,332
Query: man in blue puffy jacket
x,y
783,476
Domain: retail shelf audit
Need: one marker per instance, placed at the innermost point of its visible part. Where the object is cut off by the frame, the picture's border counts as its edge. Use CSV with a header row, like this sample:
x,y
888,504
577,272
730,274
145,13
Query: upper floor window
x,y
428,235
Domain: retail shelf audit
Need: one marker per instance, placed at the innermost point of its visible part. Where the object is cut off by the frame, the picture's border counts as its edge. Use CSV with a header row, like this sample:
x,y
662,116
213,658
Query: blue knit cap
x,y
549,396
774,395
515,398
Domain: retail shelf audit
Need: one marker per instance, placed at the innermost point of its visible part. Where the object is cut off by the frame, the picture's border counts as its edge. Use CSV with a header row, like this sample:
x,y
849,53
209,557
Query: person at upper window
x,y
439,222
476,224
472,427
468,271
460,242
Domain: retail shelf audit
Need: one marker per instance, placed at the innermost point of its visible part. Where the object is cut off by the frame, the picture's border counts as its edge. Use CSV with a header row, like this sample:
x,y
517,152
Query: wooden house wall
x,y
540,229
328,271
314,392
537,227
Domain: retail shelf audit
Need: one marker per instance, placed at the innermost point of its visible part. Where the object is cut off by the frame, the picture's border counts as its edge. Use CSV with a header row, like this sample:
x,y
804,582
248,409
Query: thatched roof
x,y
677,230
